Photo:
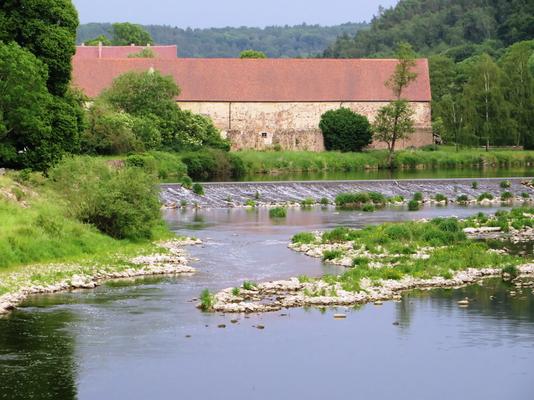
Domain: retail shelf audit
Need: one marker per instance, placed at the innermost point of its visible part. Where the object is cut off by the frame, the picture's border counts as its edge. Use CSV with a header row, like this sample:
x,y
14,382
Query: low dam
x,y
231,194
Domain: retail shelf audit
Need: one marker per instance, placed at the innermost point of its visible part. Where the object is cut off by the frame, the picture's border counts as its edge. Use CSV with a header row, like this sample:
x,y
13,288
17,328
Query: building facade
x,y
260,103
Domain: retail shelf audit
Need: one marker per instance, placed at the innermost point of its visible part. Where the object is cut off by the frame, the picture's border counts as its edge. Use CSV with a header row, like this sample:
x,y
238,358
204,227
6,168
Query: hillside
x,y
454,27
276,41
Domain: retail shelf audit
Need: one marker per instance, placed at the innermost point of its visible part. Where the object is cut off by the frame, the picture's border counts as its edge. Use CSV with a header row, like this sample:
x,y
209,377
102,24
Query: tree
x,y
487,113
99,39
393,122
47,28
252,54
25,130
518,89
345,130
125,34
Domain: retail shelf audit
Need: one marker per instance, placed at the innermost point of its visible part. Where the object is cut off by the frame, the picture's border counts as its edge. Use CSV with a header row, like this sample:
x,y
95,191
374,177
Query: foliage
x,y
505,184
120,203
414,205
361,200
345,130
213,164
147,52
332,254
485,196
462,199
248,285
252,54
303,237
275,41
36,128
506,196
187,182
125,34
47,28
441,198
278,212
198,189
97,40
324,201
207,300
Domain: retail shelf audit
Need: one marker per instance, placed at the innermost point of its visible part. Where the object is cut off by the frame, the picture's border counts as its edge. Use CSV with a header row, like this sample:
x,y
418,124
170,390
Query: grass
x,y
268,162
303,238
462,199
441,198
324,201
443,240
198,189
414,205
250,203
207,300
367,201
42,243
484,196
418,196
249,285
307,202
506,196
278,212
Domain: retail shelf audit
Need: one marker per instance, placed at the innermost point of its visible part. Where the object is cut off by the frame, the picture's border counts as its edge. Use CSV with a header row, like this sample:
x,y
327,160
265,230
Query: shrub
x,y
377,198
324,201
414,205
462,199
505,184
146,162
474,185
250,203
187,182
511,270
207,300
441,198
213,164
345,130
121,203
418,196
484,196
198,189
368,208
303,237
307,202
525,195
337,235
396,199
277,212
235,291
506,196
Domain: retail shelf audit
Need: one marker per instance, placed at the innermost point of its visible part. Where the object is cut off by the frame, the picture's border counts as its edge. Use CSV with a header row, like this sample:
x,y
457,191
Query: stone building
x,y
258,103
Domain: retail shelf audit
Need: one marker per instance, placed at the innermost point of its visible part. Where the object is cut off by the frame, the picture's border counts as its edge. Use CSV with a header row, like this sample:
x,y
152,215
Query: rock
x,y
260,327
340,316
221,326
396,323
378,303
234,321
464,302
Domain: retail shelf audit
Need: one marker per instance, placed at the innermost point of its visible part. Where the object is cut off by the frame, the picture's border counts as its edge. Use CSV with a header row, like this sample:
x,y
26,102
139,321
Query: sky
x,y
221,13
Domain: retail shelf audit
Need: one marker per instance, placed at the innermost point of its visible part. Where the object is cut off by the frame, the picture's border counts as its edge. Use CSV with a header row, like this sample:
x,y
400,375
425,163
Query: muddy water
x,y
145,339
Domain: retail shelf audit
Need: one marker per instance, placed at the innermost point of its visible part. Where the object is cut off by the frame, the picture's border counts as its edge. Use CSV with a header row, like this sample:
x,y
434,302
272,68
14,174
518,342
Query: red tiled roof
x,y
261,80
93,52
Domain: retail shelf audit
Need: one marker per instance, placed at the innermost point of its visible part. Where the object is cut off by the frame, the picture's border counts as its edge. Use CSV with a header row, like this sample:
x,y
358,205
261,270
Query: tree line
x,y
275,41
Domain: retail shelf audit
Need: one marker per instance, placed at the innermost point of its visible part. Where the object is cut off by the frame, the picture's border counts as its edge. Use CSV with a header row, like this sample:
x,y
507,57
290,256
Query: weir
x,y
230,194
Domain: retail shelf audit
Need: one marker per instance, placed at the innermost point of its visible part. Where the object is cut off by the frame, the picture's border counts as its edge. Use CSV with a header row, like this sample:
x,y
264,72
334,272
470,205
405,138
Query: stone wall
x,y
294,126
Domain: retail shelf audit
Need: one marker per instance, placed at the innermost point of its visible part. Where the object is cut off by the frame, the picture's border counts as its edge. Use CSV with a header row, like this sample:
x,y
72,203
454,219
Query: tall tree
x,y
394,121
486,111
518,89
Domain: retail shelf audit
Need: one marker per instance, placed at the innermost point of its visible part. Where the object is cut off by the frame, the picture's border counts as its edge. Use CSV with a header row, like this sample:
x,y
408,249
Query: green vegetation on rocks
x,y
278,212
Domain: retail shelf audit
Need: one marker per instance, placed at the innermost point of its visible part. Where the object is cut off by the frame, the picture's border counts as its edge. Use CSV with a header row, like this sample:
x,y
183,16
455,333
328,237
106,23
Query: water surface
x,y
131,341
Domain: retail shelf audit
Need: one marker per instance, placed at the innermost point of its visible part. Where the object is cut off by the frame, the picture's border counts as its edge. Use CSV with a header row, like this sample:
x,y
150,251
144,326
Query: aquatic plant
x,y
511,271
236,291
332,254
474,185
414,205
307,202
207,300
277,212
183,203
324,201
250,203
418,196
198,189
506,196
462,199
485,195
186,182
505,184
525,195
441,198
368,208
249,285
396,199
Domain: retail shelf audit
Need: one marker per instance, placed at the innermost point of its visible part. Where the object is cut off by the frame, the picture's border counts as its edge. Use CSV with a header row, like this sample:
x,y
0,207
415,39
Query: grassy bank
x,y
438,248
39,227
271,162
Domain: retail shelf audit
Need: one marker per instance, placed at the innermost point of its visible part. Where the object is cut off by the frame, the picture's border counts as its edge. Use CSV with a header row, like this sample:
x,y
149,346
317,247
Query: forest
x,y
275,41
481,56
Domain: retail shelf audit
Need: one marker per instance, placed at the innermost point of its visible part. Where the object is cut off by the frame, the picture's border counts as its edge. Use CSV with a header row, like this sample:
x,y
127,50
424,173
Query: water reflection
x,y
37,356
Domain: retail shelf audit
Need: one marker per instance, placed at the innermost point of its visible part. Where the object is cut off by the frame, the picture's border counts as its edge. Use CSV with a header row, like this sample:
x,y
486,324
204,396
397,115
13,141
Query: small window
x,y
264,135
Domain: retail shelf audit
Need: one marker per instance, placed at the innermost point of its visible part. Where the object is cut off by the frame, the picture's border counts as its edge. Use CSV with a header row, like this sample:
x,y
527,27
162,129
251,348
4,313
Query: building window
x,y
264,135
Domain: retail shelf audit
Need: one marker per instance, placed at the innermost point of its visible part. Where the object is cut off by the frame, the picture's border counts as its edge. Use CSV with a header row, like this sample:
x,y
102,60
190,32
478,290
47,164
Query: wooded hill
x,y
275,41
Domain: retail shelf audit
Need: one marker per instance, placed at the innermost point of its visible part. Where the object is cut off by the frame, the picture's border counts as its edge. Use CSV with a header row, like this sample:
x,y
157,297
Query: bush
x,y
332,254
414,205
474,185
187,182
213,164
198,189
146,162
525,195
250,203
345,130
307,202
277,212
121,203
484,196
207,300
506,196
441,198
368,208
248,285
418,196
462,199
324,201
505,184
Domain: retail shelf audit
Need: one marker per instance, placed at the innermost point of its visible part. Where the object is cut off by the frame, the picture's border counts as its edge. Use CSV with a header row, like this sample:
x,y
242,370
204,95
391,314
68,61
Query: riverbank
x,y
19,283
384,260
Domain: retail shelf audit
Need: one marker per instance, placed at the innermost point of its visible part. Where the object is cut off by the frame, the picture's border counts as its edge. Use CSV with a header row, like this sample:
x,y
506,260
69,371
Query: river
x,y
145,339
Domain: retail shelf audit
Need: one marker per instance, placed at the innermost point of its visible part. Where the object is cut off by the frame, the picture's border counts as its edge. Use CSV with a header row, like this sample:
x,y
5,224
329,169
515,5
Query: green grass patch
x,y
278,212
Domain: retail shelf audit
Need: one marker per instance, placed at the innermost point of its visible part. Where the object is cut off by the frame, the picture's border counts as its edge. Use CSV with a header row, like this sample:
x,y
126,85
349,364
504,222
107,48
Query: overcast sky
x,y
220,13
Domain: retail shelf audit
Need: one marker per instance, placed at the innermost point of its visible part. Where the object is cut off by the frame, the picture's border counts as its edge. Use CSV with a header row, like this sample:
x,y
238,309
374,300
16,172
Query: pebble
x,y
340,316
396,323
234,321
221,326
260,327
378,303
